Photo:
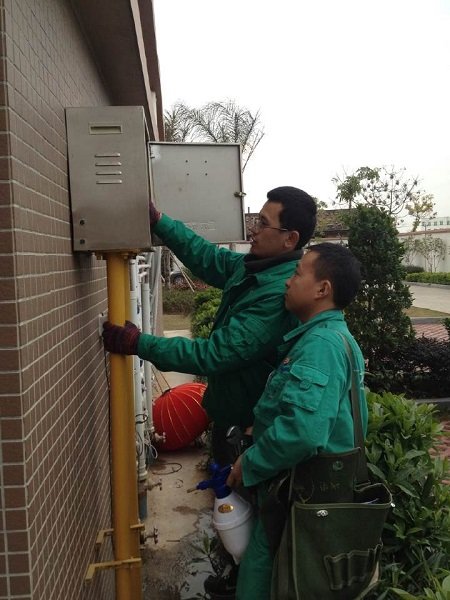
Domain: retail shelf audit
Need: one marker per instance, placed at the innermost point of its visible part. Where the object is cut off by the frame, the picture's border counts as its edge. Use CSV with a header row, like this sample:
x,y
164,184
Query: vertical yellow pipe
x,y
122,445
136,582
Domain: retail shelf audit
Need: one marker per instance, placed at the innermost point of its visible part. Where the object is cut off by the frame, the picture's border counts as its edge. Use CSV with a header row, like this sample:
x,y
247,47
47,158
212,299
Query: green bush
x,y
206,295
440,278
439,590
178,302
376,318
420,369
400,448
413,269
206,305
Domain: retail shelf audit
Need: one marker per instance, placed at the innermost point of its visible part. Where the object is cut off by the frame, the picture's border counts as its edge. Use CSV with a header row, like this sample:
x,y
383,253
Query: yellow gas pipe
x,y
126,526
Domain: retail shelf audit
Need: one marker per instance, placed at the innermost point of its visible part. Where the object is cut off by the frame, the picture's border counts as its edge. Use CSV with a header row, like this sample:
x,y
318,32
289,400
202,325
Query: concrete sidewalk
x,y
431,297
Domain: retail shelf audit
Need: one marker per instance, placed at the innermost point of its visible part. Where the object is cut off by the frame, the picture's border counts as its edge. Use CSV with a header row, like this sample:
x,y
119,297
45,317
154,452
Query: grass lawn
x,y
416,311
171,322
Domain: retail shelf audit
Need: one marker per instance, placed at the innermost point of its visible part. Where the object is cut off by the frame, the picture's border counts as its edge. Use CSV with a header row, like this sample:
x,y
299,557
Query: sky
x,y
340,84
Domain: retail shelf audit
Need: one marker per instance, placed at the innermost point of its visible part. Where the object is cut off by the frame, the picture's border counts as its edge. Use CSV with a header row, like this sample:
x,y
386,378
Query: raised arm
x,y
208,262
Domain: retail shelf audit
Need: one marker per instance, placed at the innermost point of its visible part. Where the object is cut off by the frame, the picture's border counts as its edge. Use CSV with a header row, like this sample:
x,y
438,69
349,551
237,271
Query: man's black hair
x,y
298,213
337,264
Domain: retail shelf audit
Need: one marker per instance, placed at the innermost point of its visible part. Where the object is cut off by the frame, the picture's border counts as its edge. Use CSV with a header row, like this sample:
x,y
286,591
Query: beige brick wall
x,y
53,393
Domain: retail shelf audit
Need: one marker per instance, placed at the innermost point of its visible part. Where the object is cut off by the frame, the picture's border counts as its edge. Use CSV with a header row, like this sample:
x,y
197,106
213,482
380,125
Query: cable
x,y
108,384
140,444
179,465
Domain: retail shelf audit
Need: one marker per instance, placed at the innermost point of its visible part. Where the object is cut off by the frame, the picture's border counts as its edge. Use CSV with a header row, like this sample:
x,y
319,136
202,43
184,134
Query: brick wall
x,y
53,394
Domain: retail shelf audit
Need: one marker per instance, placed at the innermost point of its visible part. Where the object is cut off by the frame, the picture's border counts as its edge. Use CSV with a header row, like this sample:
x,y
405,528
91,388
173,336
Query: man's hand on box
x,y
155,215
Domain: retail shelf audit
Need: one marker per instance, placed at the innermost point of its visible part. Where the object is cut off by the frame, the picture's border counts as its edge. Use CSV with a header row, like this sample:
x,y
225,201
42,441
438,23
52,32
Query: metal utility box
x,y
109,179
201,185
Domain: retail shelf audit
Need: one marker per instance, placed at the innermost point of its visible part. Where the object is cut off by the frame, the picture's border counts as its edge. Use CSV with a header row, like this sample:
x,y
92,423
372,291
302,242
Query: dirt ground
x,y
176,567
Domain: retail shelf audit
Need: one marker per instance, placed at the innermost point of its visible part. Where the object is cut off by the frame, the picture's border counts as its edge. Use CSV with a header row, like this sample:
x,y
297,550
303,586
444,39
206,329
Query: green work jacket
x,y
306,406
250,323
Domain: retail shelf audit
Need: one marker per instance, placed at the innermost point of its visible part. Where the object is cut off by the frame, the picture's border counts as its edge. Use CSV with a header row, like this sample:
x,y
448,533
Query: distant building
x,y
435,223
330,223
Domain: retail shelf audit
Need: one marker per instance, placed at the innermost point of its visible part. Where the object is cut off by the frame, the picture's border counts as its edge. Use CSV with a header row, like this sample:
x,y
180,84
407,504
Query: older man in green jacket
x,y
305,408
251,320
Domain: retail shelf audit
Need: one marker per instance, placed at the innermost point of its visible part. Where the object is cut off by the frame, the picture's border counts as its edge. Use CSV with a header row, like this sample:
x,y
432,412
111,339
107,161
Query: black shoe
x,y
223,585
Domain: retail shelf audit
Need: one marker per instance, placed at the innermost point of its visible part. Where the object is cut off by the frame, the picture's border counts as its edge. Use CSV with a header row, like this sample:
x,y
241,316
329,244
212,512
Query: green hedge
x,y
206,305
413,269
441,278
178,302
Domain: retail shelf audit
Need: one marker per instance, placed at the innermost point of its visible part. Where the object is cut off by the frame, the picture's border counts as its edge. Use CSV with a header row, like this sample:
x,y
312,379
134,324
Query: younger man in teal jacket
x,y
305,408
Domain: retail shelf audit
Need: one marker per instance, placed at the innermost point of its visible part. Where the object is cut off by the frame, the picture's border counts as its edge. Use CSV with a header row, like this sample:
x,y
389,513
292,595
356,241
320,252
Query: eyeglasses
x,y
258,225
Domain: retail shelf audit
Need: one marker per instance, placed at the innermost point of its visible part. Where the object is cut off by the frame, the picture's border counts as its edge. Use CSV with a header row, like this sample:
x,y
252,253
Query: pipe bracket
x,y
101,536
113,564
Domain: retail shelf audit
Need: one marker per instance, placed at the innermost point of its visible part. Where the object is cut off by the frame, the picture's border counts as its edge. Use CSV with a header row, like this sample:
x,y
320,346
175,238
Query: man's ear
x,y
292,239
325,289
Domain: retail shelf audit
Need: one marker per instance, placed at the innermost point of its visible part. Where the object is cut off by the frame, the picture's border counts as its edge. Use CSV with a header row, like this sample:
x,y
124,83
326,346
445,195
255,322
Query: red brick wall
x,y
54,470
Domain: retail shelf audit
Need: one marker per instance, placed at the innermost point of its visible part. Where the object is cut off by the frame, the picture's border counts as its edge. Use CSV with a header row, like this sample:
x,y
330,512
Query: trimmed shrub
x,y
185,301
421,369
206,296
178,302
440,278
399,448
376,318
413,269
206,305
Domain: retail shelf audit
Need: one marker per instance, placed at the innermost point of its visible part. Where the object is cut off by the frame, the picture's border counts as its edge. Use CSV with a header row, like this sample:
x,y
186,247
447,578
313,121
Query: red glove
x,y
155,215
121,340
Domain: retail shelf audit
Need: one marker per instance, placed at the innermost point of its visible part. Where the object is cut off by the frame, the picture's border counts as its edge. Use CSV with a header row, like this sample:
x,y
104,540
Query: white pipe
x,y
139,410
147,328
155,282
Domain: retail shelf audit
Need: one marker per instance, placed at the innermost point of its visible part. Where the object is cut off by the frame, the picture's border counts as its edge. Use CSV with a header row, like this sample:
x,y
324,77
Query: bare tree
x,y
421,208
217,122
387,188
177,123
432,249
410,249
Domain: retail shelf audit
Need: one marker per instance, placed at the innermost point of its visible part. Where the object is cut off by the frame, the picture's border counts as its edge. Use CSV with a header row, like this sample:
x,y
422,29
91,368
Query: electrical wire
x,y
179,465
108,385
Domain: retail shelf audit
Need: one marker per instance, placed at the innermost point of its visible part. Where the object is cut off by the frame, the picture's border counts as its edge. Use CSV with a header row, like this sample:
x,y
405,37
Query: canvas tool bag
x,y
331,540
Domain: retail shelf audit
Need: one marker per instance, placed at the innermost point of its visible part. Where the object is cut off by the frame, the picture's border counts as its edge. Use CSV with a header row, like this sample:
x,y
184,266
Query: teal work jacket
x,y
249,325
306,406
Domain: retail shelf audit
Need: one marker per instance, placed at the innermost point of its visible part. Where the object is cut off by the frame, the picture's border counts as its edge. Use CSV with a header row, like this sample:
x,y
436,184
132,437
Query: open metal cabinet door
x,y
201,185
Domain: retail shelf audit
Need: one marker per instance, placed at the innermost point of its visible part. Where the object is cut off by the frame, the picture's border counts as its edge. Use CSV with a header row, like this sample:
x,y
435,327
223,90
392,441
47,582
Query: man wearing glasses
x,y
251,320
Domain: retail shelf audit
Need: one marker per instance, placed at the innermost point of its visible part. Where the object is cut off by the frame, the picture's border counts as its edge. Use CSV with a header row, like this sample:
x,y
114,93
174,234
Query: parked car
x,y
177,279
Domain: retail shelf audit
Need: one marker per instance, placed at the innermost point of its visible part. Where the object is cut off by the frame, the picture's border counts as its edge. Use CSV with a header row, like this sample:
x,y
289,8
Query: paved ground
x,y
431,330
434,298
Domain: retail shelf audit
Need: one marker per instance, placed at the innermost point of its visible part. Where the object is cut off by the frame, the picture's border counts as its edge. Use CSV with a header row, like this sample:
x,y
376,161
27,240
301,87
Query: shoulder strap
x,y
362,474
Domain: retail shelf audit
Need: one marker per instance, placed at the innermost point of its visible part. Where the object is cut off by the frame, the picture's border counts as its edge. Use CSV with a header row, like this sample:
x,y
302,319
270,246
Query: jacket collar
x,y
253,264
326,315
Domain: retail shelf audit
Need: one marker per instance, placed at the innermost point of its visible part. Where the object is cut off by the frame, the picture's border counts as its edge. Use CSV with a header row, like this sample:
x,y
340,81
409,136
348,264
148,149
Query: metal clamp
x,y
154,534
113,564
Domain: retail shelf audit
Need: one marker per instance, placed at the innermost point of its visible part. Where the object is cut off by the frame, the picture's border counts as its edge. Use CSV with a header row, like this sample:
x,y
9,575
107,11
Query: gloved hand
x,y
155,215
121,340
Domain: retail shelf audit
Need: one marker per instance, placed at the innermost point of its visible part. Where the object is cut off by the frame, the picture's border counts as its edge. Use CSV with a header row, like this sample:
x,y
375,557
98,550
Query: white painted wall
x,y
417,259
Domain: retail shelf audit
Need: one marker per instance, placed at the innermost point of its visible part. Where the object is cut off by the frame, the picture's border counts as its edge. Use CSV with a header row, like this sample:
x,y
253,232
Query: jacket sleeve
x,y
307,407
249,336
208,262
